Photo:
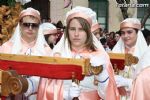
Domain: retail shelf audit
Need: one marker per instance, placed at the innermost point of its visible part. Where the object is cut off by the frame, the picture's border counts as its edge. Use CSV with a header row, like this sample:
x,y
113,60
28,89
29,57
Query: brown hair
x,y
87,28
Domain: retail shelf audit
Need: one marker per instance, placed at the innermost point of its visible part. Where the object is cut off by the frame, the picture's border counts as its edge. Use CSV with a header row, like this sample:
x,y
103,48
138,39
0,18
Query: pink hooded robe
x,y
141,86
54,89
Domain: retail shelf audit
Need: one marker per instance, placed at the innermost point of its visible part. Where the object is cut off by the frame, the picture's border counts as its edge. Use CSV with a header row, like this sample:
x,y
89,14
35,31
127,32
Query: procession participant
x,y
78,42
50,34
140,90
28,39
130,42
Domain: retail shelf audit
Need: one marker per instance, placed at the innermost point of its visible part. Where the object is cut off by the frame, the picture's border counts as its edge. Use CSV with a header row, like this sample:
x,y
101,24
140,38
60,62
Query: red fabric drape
x,y
56,71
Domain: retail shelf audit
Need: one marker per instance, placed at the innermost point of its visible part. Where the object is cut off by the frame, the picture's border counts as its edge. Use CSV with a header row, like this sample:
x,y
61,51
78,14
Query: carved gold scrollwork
x,y
96,69
17,85
130,60
12,83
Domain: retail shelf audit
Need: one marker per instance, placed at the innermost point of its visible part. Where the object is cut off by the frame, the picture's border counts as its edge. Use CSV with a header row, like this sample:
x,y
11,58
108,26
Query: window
x,y
101,8
41,5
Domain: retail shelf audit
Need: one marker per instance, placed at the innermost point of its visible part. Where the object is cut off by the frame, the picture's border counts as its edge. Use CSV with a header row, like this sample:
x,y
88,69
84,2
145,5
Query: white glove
x,y
74,91
123,82
97,60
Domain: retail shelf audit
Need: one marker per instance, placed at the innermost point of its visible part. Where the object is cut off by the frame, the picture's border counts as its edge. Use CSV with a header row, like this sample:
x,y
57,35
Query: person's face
x,y
29,27
97,34
117,37
129,36
107,36
111,35
52,38
77,35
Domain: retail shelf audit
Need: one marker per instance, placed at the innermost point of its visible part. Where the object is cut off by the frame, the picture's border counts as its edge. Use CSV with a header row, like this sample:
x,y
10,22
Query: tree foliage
x,y
125,9
7,2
